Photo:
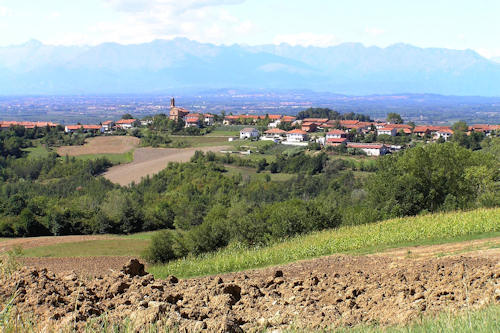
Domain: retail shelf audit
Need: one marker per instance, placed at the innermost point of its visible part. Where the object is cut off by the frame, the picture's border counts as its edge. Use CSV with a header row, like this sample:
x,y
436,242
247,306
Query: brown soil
x,y
323,293
101,145
85,267
31,242
149,161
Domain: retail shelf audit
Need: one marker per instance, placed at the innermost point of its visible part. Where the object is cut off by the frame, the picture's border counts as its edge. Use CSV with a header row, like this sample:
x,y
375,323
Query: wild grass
x,y
485,320
37,151
252,173
94,248
198,141
410,231
124,158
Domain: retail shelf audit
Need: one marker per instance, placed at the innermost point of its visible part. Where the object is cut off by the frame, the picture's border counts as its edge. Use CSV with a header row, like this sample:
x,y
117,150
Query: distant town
x,y
373,138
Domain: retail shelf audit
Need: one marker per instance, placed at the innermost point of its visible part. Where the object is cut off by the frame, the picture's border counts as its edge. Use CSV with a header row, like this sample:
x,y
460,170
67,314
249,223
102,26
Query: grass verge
x,y
420,230
483,320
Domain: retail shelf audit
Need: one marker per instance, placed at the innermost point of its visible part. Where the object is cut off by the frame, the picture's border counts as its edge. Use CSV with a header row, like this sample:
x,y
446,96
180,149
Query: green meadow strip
x,y
419,230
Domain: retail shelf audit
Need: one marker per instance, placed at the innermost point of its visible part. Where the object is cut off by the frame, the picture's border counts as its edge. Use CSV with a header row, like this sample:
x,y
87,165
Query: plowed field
x,y
101,145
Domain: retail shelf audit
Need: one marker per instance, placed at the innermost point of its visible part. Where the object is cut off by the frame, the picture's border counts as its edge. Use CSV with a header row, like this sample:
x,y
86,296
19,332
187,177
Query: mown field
x,y
252,173
412,231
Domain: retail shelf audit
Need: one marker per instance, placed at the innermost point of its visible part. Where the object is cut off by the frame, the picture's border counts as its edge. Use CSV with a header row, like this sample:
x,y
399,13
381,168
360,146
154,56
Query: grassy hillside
x,y
427,229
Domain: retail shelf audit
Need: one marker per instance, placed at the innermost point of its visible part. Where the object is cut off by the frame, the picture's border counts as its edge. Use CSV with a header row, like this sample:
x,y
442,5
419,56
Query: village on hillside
x,y
372,138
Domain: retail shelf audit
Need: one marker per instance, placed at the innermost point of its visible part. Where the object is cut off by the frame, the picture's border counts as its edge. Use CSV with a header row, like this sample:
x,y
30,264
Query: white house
x,y
126,123
108,125
335,134
209,119
444,133
371,149
296,135
387,131
249,133
274,134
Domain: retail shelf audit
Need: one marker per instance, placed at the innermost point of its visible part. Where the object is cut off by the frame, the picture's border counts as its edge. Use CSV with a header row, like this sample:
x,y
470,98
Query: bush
x,y
165,246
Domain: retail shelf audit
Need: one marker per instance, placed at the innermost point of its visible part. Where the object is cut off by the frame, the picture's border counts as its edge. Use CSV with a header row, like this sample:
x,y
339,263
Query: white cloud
x,y
175,6
307,39
141,21
375,32
489,53
4,11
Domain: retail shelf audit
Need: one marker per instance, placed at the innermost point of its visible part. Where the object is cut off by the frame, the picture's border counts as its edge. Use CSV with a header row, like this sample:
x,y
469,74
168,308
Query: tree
x,y
394,118
127,116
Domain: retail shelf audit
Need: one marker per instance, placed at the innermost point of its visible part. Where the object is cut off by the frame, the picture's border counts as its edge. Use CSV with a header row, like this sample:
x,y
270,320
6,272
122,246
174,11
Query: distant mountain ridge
x,y
163,65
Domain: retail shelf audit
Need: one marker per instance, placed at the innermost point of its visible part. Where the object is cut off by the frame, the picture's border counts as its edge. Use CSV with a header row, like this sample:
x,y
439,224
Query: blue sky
x,y
458,24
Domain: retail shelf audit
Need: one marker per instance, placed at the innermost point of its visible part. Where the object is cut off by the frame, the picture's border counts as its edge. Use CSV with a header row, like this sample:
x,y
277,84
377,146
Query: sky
x,y
455,24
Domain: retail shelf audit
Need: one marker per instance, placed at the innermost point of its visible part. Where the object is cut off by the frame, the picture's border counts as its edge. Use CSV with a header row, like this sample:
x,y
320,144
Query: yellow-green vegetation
x,y
111,247
426,229
197,141
127,157
252,173
223,133
38,151
483,320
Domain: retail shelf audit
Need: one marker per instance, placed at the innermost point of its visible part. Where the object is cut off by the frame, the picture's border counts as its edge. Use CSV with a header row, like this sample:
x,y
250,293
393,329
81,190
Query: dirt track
x,y
149,161
101,145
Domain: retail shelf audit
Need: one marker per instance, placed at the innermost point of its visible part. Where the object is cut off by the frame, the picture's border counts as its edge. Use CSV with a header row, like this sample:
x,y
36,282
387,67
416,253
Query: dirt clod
x,y
320,294
134,268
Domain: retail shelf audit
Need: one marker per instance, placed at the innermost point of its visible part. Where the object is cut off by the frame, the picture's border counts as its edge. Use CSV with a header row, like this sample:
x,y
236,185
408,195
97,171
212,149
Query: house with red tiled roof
x,y
391,131
309,127
370,149
83,128
336,141
335,134
274,134
296,135
126,123
444,133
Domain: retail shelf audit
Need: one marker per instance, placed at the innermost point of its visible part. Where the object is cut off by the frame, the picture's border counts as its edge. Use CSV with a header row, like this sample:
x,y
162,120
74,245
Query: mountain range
x,y
163,66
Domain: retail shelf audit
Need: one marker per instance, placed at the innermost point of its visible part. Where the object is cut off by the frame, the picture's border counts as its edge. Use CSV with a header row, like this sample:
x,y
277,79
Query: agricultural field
x,y
198,141
149,161
363,239
101,145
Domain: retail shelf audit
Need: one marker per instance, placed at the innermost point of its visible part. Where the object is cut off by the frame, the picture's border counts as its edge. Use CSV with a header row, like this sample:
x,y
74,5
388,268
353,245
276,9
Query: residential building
x,y
335,134
274,134
387,131
108,125
445,133
126,123
371,149
249,133
296,135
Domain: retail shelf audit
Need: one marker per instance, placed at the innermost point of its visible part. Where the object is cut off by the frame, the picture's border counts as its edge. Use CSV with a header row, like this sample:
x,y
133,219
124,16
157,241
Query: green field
x,y
111,247
252,173
420,230
124,158
37,151
227,133
198,141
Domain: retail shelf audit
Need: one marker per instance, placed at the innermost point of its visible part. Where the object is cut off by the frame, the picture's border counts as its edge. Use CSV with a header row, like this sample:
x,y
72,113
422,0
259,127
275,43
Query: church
x,y
175,112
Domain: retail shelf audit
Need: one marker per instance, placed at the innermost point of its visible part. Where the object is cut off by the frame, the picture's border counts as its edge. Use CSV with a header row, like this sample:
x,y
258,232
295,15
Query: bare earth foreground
x,y
149,161
101,145
322,293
